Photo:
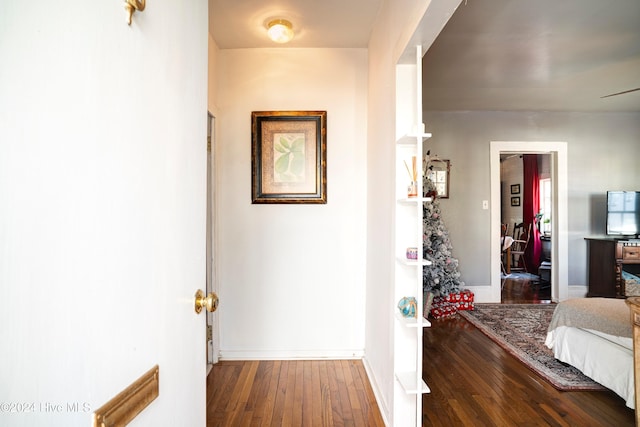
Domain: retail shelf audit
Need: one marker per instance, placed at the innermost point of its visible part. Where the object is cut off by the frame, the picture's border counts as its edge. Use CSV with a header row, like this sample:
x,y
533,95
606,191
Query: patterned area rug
x,y
521,330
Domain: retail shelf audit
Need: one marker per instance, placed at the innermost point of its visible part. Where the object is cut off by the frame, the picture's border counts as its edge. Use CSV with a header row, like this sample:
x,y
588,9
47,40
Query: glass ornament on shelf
x,y
408,306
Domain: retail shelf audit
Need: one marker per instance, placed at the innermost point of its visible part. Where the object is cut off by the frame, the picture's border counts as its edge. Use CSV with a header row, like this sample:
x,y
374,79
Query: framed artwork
x,y
515,201
515,189
289,157
438,173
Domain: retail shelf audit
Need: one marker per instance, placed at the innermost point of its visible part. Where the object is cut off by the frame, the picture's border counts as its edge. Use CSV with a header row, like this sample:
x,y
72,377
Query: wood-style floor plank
x,y
316,394
291,393
474,381
325,408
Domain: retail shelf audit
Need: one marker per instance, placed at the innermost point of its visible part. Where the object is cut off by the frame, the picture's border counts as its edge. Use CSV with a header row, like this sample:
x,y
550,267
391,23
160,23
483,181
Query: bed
x,y
630,284
595,336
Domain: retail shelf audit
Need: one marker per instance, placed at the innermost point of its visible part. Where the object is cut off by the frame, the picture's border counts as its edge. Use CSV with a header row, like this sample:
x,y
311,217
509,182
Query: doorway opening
x,y
525,214
558,246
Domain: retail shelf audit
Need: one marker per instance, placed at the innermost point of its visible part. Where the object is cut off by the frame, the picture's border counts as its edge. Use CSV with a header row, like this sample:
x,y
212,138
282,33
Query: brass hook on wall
x,y
131,6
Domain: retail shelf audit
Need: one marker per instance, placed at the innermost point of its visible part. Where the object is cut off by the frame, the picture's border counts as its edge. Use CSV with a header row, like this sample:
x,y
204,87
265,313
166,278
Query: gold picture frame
x,y
289,157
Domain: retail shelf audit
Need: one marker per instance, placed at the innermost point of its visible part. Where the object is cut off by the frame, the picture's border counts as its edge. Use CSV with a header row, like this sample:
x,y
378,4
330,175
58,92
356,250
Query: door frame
x,y
213,345
559,225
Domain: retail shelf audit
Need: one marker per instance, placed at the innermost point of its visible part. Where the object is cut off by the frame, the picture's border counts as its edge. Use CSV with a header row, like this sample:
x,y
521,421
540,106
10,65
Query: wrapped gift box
x,y
463,300
465,305
443,310
449,305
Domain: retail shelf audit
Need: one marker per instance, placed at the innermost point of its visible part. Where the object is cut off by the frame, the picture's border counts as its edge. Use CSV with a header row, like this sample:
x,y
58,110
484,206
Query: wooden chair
x,y
521,236
504,231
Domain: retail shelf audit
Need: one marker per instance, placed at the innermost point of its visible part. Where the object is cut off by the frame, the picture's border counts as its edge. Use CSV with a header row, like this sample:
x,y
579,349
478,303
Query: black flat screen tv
x,y
623,213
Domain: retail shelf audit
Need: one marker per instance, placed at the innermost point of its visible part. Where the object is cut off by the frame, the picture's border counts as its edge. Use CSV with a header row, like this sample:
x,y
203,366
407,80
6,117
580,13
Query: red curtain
x,y
530,207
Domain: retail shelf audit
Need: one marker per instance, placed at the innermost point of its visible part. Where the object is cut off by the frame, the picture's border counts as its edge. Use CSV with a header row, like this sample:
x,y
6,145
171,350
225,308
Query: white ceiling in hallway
x,y
237,24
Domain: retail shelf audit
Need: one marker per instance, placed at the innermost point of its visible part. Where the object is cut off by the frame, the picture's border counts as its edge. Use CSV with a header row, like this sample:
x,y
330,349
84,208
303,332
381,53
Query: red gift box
x,y
463,300
465,305
466,300
455,297
447,299
449,305
443,310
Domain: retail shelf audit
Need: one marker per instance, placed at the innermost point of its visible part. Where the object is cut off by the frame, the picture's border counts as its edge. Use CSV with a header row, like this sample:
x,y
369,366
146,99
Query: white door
x,y
102,208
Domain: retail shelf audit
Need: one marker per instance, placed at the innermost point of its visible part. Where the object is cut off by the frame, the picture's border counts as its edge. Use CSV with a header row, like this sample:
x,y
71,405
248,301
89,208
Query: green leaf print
x,y
282,164
298,145
290,162
297,164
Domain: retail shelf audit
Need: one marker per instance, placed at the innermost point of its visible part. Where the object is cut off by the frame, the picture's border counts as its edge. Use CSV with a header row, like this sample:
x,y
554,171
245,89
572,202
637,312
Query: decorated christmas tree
x,y
442,277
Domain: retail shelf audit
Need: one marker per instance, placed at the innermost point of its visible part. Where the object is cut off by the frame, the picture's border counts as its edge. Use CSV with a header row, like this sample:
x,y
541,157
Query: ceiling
x,y
237,24
526,55
541,55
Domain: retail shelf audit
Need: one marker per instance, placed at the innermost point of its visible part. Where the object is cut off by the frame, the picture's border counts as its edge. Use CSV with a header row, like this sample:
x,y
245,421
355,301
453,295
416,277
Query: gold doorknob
x,y
210,302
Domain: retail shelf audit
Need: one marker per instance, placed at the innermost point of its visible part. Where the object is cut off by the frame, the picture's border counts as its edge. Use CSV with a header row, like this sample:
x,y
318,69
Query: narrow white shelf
x,y
408,364
412,322
409,382
405,261
414,200
410,139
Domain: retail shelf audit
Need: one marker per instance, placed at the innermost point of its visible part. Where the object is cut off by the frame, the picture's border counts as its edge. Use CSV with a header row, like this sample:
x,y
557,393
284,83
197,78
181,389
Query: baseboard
x,y
577,291
291,354
483,294
384,411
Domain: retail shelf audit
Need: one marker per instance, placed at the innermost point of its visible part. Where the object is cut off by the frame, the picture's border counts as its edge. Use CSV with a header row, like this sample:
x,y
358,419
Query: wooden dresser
x,y
606,258
627,260
601,265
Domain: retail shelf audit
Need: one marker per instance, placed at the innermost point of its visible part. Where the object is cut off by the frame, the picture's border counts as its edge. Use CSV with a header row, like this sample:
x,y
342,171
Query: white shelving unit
x,y
408,332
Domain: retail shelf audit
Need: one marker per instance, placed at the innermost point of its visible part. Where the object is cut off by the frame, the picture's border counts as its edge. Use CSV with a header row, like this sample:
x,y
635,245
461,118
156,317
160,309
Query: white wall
x,y
102,208
292,277
395,27
602,154
212,83
511,173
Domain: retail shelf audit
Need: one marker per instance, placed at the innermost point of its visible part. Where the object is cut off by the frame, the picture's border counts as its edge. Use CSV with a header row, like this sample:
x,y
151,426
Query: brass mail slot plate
x,y
124,407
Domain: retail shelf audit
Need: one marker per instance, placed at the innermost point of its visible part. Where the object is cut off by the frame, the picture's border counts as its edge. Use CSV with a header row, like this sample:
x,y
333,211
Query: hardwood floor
x,y
475,382
522,288
291,393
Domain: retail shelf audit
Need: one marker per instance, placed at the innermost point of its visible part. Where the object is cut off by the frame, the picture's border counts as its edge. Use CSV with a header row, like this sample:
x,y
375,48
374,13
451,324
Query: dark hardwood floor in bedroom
x,y
475,382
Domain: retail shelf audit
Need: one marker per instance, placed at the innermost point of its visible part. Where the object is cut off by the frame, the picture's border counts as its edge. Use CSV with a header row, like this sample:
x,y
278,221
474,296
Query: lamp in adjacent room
x,y
280,30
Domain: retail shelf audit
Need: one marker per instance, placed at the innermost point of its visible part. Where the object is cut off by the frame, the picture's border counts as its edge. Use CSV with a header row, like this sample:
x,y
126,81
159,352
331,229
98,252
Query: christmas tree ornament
x,y
408,306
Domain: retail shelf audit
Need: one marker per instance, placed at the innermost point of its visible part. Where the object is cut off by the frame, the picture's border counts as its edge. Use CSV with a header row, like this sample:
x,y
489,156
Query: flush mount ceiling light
x,y
280,30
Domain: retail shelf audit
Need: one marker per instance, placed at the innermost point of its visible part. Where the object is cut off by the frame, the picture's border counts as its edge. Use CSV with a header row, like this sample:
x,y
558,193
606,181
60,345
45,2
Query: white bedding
x,y
605,358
